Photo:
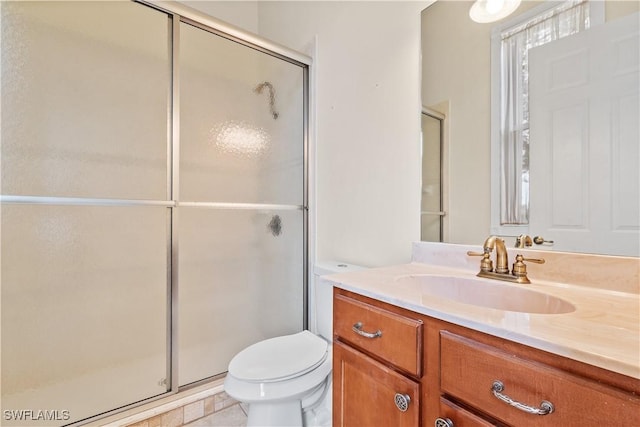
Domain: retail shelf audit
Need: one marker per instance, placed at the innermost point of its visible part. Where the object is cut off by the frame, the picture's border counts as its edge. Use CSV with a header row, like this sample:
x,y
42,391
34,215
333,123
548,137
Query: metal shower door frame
x,y
181,14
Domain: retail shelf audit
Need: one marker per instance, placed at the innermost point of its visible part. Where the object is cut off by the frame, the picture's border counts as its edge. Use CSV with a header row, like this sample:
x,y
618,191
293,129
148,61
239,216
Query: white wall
x,y
243,14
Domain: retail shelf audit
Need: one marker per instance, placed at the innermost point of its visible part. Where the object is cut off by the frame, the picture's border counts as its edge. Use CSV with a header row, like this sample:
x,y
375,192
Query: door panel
x,y
585,180
241,269
84,286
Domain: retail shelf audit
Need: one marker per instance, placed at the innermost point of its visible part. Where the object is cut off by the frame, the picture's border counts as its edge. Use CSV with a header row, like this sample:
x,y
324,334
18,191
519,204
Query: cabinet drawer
x,y
460,417
383,334
469,369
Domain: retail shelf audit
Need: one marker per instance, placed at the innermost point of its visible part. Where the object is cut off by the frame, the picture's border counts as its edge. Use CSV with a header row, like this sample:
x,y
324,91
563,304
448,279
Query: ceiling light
x,y
484,11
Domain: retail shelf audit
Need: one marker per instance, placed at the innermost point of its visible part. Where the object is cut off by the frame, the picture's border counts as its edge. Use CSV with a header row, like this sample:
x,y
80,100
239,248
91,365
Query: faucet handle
x,y
471,253
486,264
520,268
536,260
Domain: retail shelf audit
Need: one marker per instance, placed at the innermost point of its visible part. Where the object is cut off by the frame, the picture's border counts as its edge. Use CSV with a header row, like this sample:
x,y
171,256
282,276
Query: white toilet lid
x,y
279,358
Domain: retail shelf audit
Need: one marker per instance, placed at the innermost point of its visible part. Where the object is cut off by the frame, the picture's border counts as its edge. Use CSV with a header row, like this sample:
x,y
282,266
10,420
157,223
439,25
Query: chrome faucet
x,y
501,272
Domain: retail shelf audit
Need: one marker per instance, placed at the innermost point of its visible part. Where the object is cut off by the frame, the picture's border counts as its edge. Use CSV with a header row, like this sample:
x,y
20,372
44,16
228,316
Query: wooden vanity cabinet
x,y
448,372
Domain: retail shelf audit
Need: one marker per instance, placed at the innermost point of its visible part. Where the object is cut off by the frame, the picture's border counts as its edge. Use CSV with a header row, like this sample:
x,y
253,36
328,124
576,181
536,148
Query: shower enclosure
x,y
153,203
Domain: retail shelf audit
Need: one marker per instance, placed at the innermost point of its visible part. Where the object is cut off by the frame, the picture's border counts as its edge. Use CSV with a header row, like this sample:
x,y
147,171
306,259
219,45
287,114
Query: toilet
x,y
286,380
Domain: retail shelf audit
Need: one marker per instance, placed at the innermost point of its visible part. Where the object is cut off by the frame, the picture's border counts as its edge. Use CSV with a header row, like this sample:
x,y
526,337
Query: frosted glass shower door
x,y
241,195
84,316
85,214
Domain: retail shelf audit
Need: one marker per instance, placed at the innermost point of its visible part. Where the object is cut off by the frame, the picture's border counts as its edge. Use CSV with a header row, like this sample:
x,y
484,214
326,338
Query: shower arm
x,y
272,97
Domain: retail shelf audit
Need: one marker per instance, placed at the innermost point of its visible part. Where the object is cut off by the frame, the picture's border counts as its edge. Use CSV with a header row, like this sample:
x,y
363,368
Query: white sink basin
x,y
486,293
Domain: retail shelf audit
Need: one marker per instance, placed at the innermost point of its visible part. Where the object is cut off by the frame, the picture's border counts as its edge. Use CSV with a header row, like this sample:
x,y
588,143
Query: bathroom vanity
x,y
405,356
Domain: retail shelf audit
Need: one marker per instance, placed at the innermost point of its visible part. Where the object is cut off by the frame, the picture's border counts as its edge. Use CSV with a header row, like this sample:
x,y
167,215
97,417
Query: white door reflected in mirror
x,y
584,98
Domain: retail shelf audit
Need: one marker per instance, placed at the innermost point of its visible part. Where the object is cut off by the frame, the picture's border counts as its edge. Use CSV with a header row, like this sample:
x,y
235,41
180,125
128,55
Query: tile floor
x,y
233,416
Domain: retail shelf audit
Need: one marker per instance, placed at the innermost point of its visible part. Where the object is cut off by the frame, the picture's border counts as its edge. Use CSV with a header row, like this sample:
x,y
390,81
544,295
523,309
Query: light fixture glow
x,y
484,11
494,6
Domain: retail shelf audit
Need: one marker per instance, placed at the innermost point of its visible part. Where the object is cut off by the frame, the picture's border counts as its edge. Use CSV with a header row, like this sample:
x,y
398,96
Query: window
x,y
510,105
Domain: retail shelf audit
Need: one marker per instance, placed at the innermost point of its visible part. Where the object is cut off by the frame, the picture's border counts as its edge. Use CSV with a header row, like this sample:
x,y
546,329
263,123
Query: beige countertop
x,y
604,329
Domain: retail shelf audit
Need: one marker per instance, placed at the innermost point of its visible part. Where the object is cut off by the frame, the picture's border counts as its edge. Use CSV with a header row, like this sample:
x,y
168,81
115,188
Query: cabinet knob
x,y
443,422
402,401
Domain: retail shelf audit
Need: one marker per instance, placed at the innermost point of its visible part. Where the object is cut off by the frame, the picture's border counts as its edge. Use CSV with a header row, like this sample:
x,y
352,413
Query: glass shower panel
x,y
241,281
431,217
84,99
241,132
84,308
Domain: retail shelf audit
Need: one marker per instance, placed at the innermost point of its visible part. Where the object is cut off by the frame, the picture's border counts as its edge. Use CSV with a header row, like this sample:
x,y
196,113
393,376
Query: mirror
x,y
456,81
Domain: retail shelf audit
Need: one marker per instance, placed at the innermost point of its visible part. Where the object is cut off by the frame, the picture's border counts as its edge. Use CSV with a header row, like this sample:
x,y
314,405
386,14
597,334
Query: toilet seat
x,y
280,358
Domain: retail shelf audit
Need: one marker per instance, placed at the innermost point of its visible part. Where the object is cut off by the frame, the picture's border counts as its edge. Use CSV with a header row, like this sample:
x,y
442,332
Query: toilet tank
x,y
321,306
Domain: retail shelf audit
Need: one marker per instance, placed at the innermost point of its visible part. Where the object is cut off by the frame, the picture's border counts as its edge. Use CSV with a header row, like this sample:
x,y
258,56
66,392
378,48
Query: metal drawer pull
x,y
357,328
402,401
544,409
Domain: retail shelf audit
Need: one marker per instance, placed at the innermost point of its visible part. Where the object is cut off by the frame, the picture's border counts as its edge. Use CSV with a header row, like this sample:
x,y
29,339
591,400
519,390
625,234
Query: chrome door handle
x,y
357,328
545,407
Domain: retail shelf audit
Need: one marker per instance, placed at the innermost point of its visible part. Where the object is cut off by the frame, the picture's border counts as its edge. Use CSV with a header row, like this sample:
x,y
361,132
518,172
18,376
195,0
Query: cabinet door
x,y
365,392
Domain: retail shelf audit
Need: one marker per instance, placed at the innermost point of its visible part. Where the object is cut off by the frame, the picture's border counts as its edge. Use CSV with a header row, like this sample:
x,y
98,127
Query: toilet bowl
x,y
286,380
